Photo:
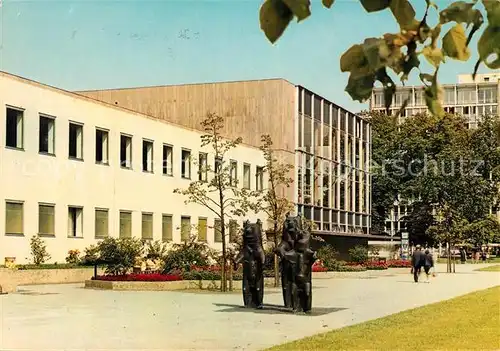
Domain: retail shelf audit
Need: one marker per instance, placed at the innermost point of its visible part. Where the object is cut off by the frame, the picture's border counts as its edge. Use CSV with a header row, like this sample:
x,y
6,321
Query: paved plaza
x,y
69,317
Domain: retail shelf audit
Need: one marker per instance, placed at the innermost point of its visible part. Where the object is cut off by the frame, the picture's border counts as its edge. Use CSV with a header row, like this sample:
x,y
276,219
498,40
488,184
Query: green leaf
x,y
274,18
433,55
460,12
375,5
353,59
360,88
300,8
489,48
493,12
389,87
455,44
433,96
328,3
404,14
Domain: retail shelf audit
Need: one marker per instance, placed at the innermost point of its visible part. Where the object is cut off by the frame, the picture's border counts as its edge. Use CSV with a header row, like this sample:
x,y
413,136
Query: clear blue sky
x,y
123,43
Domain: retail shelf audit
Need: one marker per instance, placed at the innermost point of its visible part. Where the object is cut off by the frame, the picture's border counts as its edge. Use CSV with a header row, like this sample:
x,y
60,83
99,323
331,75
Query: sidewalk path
x,y
68,317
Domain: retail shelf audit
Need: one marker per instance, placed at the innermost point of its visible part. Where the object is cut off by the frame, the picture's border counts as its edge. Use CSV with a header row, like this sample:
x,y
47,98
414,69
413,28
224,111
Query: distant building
x,y
472,99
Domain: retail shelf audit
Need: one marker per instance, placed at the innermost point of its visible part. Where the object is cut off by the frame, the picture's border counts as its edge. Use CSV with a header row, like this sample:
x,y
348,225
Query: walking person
x,y
428,264
417,262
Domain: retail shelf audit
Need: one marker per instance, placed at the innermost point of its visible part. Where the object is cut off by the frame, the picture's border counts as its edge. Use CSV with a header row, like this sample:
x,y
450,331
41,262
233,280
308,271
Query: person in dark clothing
x,y
428,263
417,262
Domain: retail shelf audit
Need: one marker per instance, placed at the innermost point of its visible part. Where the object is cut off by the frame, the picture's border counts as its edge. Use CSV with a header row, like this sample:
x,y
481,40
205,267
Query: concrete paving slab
x,y
69,317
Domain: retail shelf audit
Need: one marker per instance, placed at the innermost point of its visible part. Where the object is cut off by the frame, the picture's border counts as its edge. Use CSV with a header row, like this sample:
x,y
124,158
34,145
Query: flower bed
x,y
141,277
398,263
376,265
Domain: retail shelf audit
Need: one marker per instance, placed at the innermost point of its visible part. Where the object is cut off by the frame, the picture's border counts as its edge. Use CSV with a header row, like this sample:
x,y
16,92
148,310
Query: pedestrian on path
x,y
417,262
428,264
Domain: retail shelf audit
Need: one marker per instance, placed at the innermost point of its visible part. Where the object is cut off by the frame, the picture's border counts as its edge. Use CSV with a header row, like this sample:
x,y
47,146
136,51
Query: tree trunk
x,y
223,286
230,276
448,261
276,261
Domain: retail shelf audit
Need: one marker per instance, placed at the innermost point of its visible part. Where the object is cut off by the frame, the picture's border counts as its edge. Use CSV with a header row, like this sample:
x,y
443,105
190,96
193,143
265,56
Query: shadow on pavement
x,y
278,309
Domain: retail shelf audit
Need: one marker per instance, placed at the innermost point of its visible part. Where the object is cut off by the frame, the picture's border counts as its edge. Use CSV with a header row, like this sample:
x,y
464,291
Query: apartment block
x,y
470,98
75,170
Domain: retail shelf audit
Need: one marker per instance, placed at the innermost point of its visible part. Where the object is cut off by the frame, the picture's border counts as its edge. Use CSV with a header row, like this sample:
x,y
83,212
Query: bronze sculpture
x,y
296,260
253,258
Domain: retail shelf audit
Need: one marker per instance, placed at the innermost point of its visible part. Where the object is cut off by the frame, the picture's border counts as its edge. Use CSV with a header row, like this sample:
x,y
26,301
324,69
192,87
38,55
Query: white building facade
x,y
74,170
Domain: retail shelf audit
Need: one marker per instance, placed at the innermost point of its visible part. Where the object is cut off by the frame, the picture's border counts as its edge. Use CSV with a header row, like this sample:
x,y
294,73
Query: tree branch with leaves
x,y
399,53
219,192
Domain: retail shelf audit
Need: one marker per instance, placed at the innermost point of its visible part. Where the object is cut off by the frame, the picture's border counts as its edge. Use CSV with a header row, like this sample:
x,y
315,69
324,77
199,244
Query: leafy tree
x,y
400,53
218,192
190,253
482,232
39,250
272,200
384,170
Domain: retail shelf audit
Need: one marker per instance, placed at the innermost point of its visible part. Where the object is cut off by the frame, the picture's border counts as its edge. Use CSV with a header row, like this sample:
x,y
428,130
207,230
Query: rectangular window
x,y
101,146
101,223
147,226
125,151
46,135
46,219
246,176
125,224
233,230
202,167
218,164
259,179
14,223
75,222
147,156
233,173
166,228
217,231
202,229
186,164
14,128
185,228
76,141
167,160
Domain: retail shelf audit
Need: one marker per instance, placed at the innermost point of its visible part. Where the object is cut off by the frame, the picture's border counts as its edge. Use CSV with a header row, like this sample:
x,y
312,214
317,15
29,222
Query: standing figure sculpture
x,y
296,260
253,258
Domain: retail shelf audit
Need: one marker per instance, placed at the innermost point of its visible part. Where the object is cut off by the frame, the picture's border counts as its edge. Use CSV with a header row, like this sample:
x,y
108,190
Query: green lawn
x,y
495,268
467,322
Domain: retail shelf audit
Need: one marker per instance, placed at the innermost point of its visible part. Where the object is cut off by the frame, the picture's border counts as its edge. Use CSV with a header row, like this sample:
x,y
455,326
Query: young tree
x,y
272,200
217,188
398,53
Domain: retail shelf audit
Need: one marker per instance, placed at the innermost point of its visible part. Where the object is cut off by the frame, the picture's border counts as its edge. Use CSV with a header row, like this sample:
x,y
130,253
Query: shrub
x,y
38,250
351,268
156,250
119,254
73,256
359,254
91,256
47,266
318,267
327,256
153,277
183,256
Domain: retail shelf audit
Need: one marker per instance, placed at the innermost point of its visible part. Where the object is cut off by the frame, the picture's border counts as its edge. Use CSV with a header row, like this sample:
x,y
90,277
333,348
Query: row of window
x,y
451,96
15,133
14,224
